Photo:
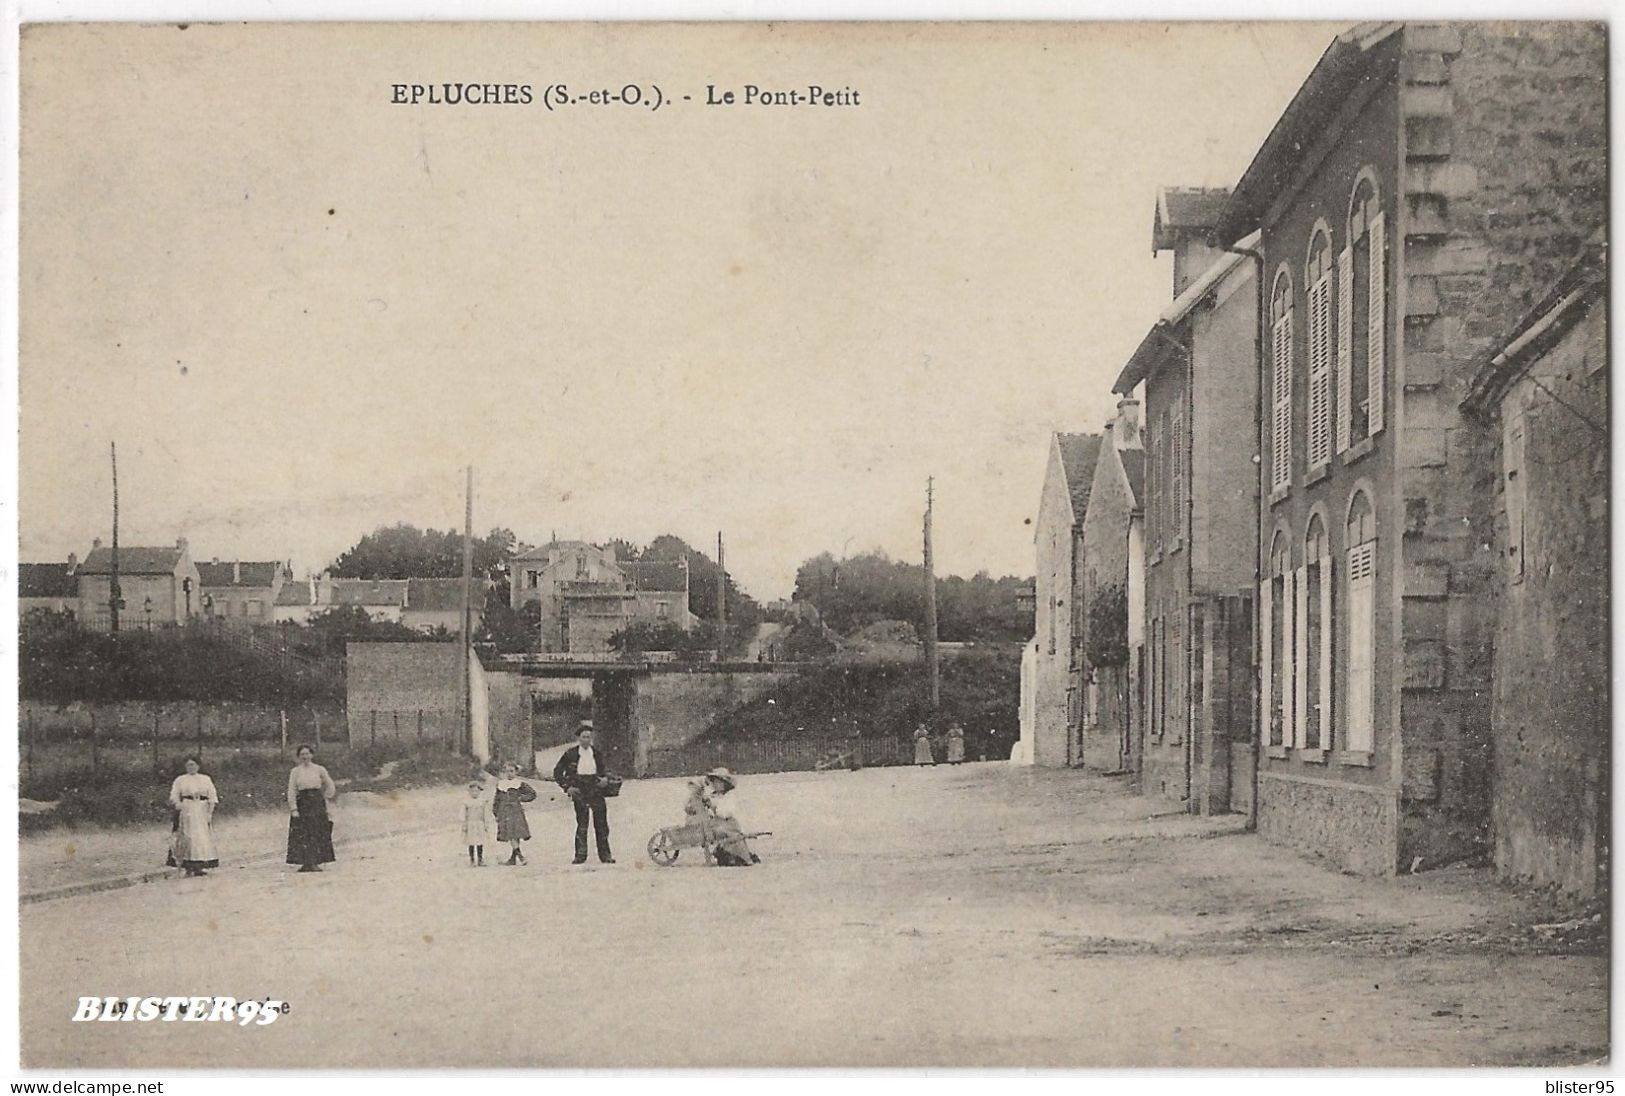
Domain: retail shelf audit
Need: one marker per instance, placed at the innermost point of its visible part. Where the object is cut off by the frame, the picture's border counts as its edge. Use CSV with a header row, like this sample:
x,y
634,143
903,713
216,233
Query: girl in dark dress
x,y
310,832
509,805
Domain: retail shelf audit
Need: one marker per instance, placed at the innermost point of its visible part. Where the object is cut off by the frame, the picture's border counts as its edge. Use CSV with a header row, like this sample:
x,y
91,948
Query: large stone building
x,y
1543,398
1426,184
1054,681
585,595
158,586
1197,367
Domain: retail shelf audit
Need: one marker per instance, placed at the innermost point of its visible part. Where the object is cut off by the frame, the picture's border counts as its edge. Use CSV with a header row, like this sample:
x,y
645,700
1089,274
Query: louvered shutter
x,y
1266,683
1177,444
1345,348
1361,590
1320,450
1300,659
1325,652
1376,333
1281,434
1288,713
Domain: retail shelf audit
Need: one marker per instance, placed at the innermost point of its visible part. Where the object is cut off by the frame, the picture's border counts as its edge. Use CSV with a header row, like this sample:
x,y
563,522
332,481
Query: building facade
x,y
300,599
48,587
1543,402
158,586
586,595
1424,185
1057,672
1197,368
437,604
1102,596
239,592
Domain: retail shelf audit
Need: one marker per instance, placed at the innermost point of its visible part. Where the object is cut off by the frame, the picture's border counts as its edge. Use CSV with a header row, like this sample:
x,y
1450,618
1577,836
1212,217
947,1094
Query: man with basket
x,y
585,778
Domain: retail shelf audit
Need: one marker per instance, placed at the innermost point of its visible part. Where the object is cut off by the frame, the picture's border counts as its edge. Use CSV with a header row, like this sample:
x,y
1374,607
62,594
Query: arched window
x,y
1362,317
1281,382
1317,280
1275,618
1361,539
1317,640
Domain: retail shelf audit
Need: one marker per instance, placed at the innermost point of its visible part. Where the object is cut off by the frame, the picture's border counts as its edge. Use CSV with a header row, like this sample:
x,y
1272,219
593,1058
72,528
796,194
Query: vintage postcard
x,y
667,545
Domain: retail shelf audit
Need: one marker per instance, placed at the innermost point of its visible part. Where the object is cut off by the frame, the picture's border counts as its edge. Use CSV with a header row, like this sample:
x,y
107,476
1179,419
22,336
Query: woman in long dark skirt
x,y
310,832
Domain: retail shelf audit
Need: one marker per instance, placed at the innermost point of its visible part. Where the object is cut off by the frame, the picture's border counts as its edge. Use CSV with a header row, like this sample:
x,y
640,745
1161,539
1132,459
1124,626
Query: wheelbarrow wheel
x,y
662,850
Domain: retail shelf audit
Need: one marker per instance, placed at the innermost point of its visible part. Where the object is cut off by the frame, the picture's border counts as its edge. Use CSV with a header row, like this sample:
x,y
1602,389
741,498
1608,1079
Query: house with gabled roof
x,y
159,587
239,591
48,587
1053,683
586,595
1106,572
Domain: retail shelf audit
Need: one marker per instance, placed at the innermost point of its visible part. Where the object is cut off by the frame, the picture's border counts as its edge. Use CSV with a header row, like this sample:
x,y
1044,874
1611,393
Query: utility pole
x,y
115,595
930,601
722,598
468,613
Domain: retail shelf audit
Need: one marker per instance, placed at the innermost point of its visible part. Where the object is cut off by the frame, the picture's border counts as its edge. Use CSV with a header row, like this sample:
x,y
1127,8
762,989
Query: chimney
x,y
327,588
180,542
73,563
236,572
1126,426
95,544
311,580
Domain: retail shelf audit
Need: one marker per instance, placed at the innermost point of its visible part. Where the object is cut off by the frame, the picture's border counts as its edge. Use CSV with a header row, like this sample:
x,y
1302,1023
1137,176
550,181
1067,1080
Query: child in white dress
x,y
476,823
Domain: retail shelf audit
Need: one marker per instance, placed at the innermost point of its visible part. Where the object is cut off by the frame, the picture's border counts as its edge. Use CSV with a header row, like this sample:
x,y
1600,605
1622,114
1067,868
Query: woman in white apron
x,y
193,799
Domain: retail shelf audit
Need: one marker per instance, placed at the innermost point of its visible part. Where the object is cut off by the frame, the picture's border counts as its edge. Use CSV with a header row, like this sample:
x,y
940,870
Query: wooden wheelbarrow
x,y
669,842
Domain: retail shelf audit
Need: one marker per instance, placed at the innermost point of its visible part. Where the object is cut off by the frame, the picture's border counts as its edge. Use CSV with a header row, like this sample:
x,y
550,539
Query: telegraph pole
x,y
722,598
468,612
115,595
930,602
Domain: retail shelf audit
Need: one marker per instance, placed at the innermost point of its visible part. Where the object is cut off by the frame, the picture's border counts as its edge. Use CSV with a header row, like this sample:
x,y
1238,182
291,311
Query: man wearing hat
x,y
580,772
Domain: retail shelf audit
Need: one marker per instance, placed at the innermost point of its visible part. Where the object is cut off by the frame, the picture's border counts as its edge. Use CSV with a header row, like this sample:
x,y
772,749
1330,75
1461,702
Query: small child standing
x,y
476,828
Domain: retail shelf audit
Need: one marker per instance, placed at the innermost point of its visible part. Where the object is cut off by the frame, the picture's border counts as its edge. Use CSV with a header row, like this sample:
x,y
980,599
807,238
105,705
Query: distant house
x,y
586,595
241,592
159,586
51,587
1107,567
1053,734
438,603
299,600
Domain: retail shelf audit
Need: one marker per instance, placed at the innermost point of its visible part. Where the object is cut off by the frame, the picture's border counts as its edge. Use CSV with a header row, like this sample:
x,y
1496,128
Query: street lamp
x,y
149,614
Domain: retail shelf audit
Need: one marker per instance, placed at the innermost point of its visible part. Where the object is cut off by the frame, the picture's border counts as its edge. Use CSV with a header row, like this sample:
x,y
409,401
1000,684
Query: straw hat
x,y
724,775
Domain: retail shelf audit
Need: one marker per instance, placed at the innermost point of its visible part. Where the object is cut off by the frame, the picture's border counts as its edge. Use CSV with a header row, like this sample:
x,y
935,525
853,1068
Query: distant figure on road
x,y
193,799
310,831
733,851
922,746
512,825
956,744
476,816
582,774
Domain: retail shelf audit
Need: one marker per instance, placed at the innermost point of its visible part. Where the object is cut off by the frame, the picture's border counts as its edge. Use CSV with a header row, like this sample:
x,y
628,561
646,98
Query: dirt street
x,y
979,915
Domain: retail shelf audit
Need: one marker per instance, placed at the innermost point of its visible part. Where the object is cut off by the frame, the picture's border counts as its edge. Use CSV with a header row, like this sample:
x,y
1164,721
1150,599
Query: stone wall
x,y
1503,177
670,709
1551,695
1350,826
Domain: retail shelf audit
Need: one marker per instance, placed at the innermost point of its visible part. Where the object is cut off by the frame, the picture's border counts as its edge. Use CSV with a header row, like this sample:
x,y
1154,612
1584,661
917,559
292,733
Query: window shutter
x,y
1300,659
1281,435
1266,682
1320,372
1325,652
1345,348
1150,503
1177,444
1361,587
1376,333
1287,712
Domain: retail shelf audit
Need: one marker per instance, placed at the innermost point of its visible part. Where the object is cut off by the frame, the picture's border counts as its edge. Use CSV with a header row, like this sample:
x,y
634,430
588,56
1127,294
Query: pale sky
x,y
301,310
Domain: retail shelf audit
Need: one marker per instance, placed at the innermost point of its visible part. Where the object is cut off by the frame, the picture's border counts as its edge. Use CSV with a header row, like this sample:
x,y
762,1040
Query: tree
x,y
511,631
855,592
405,551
